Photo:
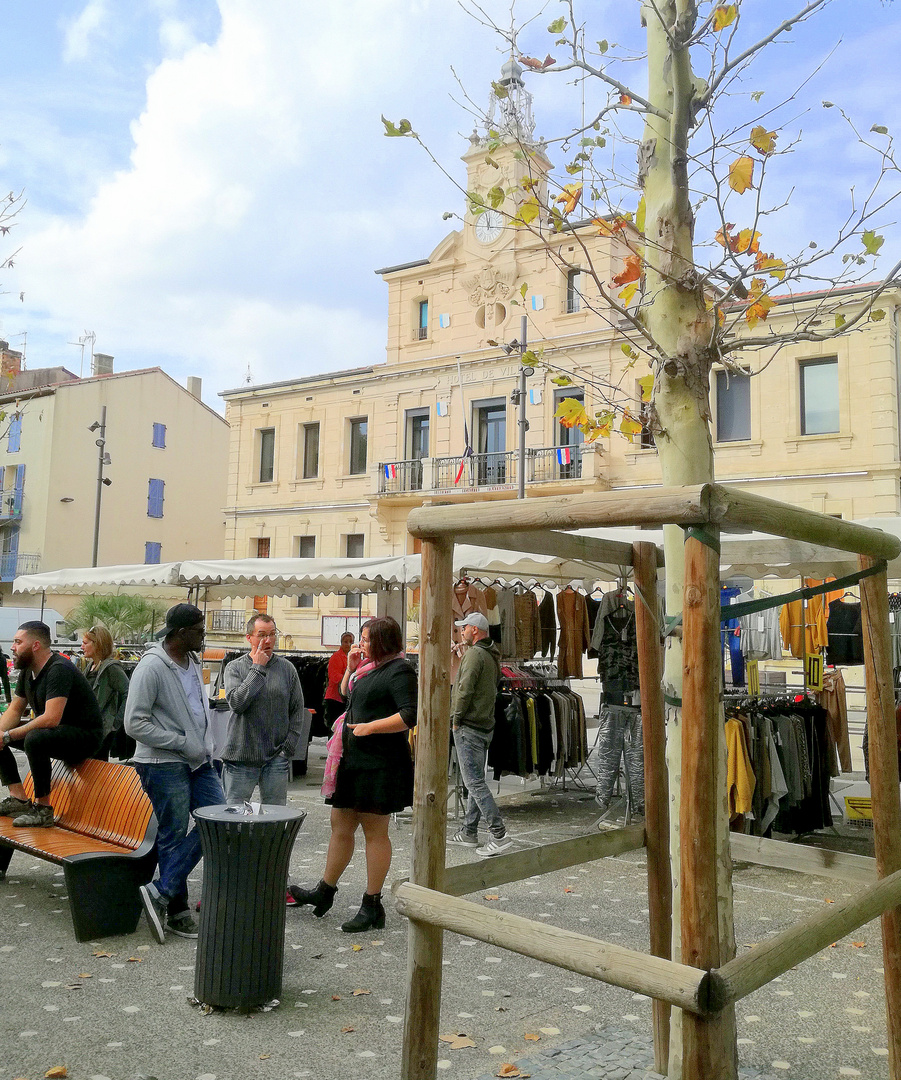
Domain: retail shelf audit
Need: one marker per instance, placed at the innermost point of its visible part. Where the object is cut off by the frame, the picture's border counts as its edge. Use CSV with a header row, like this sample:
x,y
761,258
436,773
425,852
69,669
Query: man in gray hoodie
x,y
472,722
167,714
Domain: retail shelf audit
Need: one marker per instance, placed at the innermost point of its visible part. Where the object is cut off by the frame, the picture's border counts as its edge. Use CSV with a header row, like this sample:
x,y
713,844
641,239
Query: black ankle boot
x,y
371,915
322,897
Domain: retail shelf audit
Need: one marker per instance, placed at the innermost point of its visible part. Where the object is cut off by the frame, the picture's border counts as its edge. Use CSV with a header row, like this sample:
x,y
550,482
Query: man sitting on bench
x,y
66,723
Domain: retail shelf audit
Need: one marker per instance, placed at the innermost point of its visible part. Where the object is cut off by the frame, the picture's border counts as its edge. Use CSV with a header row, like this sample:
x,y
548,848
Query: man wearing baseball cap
x,y
168,715
472,721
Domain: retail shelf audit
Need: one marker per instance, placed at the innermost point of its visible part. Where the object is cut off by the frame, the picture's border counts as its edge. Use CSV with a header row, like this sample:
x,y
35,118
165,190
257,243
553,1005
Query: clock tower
x,y
505,156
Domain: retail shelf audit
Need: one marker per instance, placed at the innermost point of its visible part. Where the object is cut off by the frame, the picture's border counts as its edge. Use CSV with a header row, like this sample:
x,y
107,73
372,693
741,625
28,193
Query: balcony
x,y
13,565
479,471
499,471
554,463
227,621
399,476
11,505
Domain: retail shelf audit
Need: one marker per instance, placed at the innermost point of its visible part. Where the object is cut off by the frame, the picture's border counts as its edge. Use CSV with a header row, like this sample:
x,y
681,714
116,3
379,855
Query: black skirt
x,y
373,791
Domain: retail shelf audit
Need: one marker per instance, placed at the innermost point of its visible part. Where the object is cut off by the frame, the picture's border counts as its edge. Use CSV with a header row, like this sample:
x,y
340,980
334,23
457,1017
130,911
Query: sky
x,y
207,186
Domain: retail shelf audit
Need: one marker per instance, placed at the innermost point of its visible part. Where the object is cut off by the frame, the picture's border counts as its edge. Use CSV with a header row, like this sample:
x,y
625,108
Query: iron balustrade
x,y
554,463
400,476
227,620
479,470
13,565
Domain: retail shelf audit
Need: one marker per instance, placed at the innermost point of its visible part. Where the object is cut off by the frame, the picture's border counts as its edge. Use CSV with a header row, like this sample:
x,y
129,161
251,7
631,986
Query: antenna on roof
x,y
87,336
248,376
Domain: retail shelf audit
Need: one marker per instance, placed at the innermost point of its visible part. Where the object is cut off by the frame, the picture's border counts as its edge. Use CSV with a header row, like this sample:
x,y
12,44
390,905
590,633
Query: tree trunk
x,y
677,319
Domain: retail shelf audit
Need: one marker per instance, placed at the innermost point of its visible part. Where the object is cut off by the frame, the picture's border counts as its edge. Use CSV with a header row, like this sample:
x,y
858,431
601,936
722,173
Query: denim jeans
x,y
272,777
472,751
174,791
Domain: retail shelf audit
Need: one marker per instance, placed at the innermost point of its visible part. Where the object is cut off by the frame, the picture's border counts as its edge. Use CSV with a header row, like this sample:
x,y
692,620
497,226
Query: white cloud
x,y
82,30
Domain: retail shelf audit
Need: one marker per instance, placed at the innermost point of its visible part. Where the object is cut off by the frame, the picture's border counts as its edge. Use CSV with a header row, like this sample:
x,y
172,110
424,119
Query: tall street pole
x,y
524,373
101,461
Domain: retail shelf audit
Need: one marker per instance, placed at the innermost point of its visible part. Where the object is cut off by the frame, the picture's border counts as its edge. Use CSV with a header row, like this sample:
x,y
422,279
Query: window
x,y
358,436
423,325
156,490
646,435
159,436
15,434
819,397
310,467
733,406
306,549
267,455
152,552
353,549
263,545
417,445
491,442
574,291
568,436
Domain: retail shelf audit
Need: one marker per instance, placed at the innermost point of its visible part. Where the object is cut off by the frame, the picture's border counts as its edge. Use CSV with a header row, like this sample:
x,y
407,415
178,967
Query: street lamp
x,y
103,459
518,397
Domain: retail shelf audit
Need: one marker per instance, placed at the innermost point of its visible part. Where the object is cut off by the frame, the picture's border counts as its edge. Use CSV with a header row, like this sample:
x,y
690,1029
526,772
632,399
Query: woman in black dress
x,y
375,774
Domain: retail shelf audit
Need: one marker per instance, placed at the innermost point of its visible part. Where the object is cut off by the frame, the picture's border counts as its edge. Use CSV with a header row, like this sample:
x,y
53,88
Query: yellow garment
x,y
791,625
532,715
739,774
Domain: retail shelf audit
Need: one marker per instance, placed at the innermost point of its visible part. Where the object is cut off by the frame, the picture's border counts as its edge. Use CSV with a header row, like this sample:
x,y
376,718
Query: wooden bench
x,y
104,839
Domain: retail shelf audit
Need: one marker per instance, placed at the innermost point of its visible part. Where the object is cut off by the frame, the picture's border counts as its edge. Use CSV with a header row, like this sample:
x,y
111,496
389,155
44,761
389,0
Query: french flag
x,y
564,455
467,453
390,471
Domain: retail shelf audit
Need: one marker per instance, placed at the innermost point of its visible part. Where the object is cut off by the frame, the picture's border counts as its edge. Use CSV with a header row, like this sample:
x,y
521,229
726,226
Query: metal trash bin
x,y
241,941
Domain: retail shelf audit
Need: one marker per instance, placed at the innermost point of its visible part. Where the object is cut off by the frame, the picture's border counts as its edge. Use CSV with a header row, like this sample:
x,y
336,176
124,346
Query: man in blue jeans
x,y
167,714
472,723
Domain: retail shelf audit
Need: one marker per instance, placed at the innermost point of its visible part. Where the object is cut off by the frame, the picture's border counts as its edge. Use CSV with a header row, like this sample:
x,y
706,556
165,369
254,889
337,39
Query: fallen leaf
x,y
264,1056
567,889
336,997
104,954
457,1040
135,960
491,896
345,1030
360,993
75,986
826,900
508,1069
357,948
834,945
86,975
532,1038
858,944
499,1008
55,1073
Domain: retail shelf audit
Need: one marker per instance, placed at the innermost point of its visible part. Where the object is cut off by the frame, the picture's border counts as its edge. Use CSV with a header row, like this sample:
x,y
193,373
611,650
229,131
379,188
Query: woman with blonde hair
x,y
110,685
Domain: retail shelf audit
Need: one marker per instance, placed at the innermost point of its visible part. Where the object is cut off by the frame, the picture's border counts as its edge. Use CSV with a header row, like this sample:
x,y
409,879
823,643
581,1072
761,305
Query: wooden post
x,y
706,1053
656,786
425,942
877,650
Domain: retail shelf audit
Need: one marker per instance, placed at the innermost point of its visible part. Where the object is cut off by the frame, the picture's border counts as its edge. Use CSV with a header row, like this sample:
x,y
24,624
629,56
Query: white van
x,y
11,618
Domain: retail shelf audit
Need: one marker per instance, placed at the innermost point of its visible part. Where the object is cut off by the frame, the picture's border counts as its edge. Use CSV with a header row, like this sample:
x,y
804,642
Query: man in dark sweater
x,y
65,723
472,722
268,718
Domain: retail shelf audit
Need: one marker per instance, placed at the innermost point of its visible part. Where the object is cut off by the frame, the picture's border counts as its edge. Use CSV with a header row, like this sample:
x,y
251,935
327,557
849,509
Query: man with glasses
x,y
268,718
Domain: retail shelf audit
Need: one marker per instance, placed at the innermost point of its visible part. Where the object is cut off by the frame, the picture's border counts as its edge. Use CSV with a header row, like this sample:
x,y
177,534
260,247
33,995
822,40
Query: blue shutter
x,y
155,494
18,489
152,552
159,436
15,434
10,557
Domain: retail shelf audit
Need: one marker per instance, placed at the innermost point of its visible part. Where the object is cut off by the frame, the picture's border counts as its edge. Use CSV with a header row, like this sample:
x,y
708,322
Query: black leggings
x,y
41,745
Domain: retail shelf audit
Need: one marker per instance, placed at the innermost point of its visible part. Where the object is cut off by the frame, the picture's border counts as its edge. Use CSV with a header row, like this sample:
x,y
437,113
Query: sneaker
x,y
464,839
289,899
155,910
36,816
11,806
497,845
183,925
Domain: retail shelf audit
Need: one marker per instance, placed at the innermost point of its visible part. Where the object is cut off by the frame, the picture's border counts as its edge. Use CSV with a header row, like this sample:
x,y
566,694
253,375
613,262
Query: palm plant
x,y
127,617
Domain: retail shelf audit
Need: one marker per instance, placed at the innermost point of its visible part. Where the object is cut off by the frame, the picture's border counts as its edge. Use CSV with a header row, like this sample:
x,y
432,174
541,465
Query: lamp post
x,y
518,397
103,459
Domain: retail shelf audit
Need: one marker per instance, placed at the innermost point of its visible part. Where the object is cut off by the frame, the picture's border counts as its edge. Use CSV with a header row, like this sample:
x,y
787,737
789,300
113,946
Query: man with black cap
x,y
472,723
65,723
167,714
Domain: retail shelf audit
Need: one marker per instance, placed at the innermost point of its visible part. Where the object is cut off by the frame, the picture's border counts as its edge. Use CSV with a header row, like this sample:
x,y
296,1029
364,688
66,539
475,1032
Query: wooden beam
x,y
776,955
425,942
708,1045
665,980
559,545
656,782
545,859
734,506
805,859
650,506
877,649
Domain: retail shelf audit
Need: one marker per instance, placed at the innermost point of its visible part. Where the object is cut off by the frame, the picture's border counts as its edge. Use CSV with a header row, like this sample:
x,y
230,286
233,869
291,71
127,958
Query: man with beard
x,y
65,724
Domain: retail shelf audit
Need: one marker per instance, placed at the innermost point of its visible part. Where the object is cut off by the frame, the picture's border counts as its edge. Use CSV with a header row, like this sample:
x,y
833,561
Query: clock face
x,y
489,225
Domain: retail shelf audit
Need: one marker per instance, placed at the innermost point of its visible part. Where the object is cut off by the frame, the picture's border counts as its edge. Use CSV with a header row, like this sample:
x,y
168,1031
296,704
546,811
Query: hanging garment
x,y
466,598
845,645
615,641
834,700
527,625
508,622
572,615
740,777
620,739
548,624
800,635
760,637
494,615
730,637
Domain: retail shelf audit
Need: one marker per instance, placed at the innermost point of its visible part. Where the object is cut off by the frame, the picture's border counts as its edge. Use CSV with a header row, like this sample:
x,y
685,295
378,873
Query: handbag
x,y
334,749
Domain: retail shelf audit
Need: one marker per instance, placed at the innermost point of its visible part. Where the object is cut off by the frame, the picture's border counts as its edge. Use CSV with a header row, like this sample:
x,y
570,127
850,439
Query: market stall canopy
x,y
103,579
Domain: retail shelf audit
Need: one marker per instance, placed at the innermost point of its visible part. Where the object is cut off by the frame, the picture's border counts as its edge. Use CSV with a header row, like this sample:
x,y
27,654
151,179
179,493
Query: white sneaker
x,y
495,846
464,839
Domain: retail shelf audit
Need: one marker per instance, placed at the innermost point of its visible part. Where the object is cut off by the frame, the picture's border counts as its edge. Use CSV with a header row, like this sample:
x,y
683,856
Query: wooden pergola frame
x,y
706,984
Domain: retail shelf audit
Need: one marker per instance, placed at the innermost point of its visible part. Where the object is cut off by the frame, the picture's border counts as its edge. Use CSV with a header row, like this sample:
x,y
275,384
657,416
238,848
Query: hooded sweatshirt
x,y
158,714
475,689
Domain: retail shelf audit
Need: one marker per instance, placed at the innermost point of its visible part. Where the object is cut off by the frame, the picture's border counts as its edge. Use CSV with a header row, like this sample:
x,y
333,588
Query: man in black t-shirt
x,y
66,723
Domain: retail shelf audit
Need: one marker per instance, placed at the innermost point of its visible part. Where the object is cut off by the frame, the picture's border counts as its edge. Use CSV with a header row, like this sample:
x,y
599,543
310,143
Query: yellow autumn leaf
x,y
56,1073
741,174
747,241
647,387
569,196
768,265
629,425
571,413
628,293
758,311
724,16
763,141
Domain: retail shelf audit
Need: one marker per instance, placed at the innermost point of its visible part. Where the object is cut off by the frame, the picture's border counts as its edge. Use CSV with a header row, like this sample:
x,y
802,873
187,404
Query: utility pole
x,y
103,459
524,373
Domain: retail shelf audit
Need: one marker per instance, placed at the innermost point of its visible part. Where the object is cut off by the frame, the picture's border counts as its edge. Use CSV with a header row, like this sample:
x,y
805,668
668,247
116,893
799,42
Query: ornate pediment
x,y
489,285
